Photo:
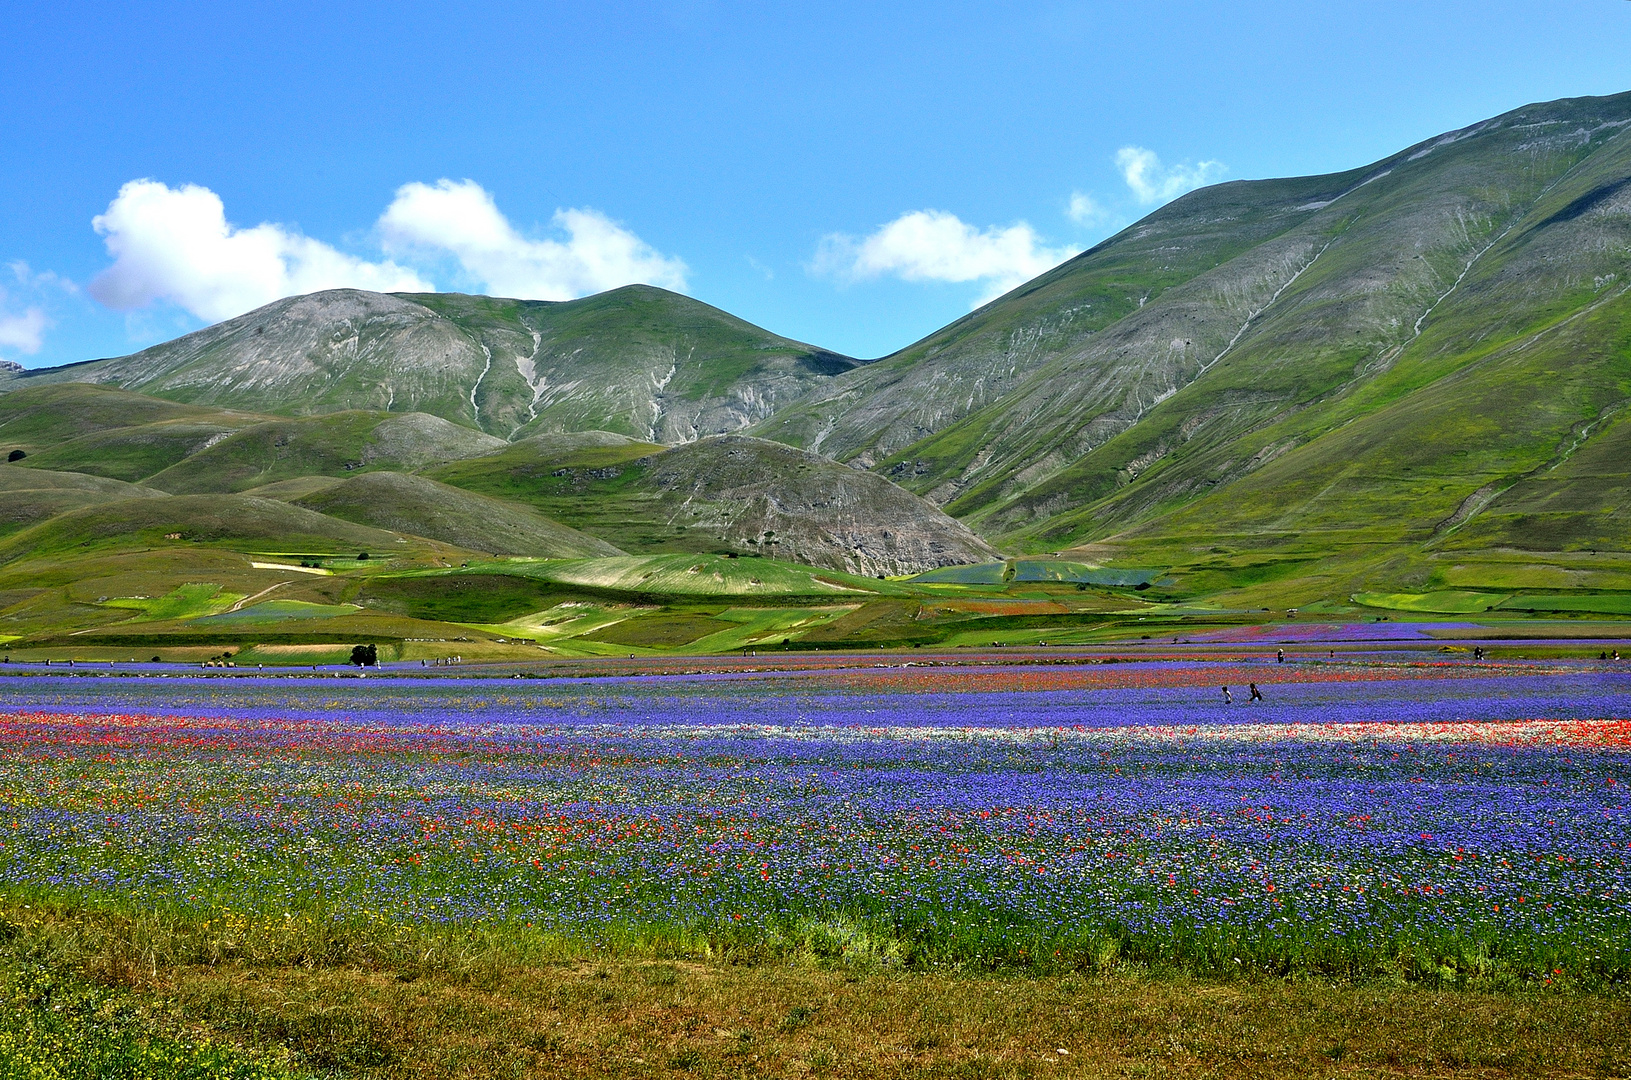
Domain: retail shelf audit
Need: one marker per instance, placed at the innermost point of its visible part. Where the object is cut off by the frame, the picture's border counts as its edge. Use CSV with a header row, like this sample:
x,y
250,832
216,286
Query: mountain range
x,y
1407,377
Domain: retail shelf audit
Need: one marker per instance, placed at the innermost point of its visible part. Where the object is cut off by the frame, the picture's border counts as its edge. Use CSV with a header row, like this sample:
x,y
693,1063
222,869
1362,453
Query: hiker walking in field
x,y
1226,698
1257,695
1279,656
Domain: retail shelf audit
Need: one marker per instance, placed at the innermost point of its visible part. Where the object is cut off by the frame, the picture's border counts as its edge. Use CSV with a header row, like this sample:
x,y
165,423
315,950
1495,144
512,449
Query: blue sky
x,y
854,175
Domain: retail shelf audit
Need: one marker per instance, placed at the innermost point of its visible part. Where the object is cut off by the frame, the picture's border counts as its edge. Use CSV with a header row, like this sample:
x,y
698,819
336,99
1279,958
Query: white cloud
x,y
28,277
1084,209
25,332
1153,182
460,218
932,245
176,244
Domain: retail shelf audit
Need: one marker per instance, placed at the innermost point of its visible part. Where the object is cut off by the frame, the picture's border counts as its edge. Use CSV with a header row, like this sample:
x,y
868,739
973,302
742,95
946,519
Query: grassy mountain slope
x,y
36,416
336,444
235,520
638,360
1321,312
29,496
873,413
1373,369
728,493
132,453
423,507
1520,354
105,431
1579,501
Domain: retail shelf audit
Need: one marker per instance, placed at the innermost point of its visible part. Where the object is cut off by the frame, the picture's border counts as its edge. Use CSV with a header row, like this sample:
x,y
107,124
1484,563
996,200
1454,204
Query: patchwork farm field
x,y
1092,869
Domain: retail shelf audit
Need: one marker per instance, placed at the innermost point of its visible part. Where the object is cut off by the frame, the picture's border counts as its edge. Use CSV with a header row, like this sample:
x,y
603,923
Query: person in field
x,y
1226,698
1257,695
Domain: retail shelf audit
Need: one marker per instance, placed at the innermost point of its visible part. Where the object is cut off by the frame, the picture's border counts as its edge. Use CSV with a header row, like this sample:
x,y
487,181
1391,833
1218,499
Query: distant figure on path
x,y
1477,652
1226,698
1279,656
1257,695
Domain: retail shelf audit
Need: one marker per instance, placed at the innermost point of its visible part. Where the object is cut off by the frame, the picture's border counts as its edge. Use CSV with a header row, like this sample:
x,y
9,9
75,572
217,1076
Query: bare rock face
x,y
763,496
725,493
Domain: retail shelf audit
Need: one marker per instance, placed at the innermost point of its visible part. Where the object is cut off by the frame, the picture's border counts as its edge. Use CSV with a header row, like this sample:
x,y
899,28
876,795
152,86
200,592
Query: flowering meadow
x,y
1445,821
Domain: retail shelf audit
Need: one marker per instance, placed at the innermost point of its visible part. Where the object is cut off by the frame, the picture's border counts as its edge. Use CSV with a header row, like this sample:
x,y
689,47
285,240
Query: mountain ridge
x,y
663,365
1400,365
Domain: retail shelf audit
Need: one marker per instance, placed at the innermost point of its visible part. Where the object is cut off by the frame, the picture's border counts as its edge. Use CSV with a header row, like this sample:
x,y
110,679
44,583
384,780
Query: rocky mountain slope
x,y
637,360
725,493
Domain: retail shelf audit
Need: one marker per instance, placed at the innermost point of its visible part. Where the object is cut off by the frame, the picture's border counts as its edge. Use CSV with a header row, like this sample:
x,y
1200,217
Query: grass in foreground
x,y
458,1003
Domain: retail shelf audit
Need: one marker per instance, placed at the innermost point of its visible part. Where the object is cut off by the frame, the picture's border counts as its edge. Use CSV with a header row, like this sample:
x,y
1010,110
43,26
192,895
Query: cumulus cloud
x,y
1152,182
461,219
932,245
176,244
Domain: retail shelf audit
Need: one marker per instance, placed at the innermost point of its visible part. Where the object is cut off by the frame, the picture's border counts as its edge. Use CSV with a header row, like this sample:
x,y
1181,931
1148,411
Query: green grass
x,y
683,575
276,611
96,988
659,631
717,494
991,573
424,507
1606,604
1060,570
337,444
36,417
1448,601
219,520
56,1025
766,627
133,453
567,625
189,601
495,597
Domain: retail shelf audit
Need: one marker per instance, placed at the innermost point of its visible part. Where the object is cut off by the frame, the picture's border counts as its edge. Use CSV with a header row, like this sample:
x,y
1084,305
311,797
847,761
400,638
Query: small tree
x,y
364,655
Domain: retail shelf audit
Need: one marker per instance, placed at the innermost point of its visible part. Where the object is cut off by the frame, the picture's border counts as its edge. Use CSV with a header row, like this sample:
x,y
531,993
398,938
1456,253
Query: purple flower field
x,y
1416,818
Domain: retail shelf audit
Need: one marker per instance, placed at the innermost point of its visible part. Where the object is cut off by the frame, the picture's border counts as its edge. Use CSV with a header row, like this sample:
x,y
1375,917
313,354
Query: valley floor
x,y
1401,861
